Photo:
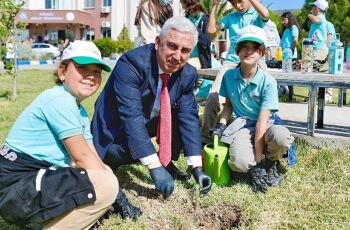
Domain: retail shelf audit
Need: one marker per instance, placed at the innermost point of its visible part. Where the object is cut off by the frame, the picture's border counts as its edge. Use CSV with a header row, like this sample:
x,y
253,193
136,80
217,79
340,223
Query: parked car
x,y
40,50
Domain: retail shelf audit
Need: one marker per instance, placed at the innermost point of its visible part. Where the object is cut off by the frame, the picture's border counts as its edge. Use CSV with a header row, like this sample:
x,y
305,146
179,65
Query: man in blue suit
x,y
127,111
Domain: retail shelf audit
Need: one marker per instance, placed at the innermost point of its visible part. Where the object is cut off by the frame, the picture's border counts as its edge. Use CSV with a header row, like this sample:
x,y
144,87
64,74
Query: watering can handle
x,y
216,167
216,141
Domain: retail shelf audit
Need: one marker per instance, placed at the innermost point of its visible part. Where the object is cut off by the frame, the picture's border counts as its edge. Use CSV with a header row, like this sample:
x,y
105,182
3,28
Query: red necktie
x,y
164,125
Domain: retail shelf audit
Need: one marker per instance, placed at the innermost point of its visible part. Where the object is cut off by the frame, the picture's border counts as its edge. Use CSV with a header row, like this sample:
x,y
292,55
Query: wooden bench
x,y
313,81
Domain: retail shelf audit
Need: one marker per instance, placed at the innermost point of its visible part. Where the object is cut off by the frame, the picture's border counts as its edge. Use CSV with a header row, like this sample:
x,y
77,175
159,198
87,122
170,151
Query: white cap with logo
x,y
322,4
84,53
251,33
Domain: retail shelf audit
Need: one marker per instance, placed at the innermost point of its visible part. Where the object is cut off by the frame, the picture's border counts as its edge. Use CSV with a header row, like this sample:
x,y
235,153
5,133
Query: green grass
x,y
315,195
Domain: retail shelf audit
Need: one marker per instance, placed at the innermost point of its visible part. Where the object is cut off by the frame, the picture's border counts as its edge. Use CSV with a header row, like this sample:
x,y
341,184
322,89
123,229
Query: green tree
x,y
106,45
222,11
8,12
124,43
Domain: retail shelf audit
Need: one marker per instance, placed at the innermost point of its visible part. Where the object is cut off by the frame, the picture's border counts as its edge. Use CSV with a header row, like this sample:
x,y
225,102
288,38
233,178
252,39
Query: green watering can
x,y
215,162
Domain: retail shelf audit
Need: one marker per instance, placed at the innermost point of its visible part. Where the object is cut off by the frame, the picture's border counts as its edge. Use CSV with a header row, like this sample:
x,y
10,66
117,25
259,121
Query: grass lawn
x,y
315,195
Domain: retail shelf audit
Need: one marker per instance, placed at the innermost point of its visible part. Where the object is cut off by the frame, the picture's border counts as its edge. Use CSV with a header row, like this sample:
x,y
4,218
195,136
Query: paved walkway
x,y
336,131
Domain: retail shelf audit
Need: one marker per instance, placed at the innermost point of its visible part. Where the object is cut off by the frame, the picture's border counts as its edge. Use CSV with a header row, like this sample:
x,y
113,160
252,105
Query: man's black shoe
x,y
125,208
177,173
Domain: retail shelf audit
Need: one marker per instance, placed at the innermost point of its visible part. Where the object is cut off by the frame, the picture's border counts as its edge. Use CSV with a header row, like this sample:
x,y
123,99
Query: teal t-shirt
x,y
195,21
248,98
318,33
54,115
234,22
288,37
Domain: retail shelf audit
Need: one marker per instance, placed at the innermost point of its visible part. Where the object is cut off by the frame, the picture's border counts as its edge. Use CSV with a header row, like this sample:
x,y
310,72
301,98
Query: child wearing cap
x,y
247,12
318,33
251,94
51,175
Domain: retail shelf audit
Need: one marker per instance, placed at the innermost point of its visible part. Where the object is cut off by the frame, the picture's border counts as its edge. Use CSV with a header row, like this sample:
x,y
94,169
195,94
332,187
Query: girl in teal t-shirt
x,y
290,32
49,165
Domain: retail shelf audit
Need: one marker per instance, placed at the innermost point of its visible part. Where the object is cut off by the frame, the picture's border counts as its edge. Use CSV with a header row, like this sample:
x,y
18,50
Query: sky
x,y
283,4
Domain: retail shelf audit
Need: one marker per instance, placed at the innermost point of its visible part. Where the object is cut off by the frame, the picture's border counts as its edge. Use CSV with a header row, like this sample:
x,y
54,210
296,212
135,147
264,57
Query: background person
x,y
69,36
127,110
251,93
149,19
50,172
318,34
272,39
201,54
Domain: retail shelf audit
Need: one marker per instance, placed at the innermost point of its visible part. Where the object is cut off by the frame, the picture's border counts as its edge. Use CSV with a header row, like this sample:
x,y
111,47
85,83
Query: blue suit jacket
x,y
123,109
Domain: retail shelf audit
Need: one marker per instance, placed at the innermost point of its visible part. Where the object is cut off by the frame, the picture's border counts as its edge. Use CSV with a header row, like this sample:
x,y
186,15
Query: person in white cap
x,y
318,33
251,94
51,174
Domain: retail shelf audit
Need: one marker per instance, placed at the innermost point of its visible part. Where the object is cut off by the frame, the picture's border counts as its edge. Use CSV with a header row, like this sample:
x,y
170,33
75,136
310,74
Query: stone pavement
x,y
334,134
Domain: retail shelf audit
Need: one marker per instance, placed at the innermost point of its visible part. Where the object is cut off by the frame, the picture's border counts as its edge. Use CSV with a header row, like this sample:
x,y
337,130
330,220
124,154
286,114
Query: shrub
x,y
106,45
124,43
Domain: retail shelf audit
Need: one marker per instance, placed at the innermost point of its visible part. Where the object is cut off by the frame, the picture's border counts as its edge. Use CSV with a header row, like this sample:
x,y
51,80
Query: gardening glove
x,y
125,208
259,178
275,177
202,179
217,130
163,181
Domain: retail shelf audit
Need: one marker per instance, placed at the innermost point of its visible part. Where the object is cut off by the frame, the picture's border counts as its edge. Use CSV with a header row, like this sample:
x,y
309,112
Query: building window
x,y
106,32
59,4
48,4
89,3
88,34
107,2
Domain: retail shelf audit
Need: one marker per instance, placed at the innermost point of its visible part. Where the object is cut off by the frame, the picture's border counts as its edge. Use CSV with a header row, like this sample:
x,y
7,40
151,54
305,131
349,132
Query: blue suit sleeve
x,y
127,85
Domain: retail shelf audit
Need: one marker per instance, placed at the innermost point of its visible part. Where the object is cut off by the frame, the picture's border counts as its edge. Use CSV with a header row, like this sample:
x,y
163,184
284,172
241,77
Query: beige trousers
x,y
278,139
83,217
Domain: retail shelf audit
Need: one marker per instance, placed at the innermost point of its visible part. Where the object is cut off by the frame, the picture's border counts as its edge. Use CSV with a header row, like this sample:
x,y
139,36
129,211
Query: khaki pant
x,y
214,101
83,217
278,139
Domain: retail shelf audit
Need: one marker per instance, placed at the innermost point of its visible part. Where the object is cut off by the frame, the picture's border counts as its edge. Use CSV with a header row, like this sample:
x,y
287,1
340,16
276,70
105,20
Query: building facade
x,y
48,20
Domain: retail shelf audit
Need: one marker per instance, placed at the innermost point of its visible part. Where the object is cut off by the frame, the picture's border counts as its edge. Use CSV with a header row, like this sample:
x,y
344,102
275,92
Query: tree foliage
x,y
124,43
106,45
8,27
8,13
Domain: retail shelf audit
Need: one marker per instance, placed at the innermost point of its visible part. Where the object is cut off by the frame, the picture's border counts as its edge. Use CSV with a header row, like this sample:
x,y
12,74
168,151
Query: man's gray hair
x,y
181,24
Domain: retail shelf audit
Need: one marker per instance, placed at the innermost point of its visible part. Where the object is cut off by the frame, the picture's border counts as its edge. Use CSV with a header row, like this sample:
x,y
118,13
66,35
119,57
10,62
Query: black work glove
x,y
125,208
202,179
259,178
163,181
217,130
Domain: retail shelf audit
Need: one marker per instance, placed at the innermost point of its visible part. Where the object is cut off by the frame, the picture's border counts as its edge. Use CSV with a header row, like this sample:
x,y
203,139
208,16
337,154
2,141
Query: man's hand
x,y
163,181
259,178
202,179
217,130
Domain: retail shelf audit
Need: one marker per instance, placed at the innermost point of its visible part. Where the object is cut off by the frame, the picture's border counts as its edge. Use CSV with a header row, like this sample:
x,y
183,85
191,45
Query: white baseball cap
x,y
251,33
84,53
322,4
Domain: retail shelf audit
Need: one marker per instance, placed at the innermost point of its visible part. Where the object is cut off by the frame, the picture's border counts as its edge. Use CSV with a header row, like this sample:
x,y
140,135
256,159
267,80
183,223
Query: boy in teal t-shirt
x,y
248,12
251,93
318,33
